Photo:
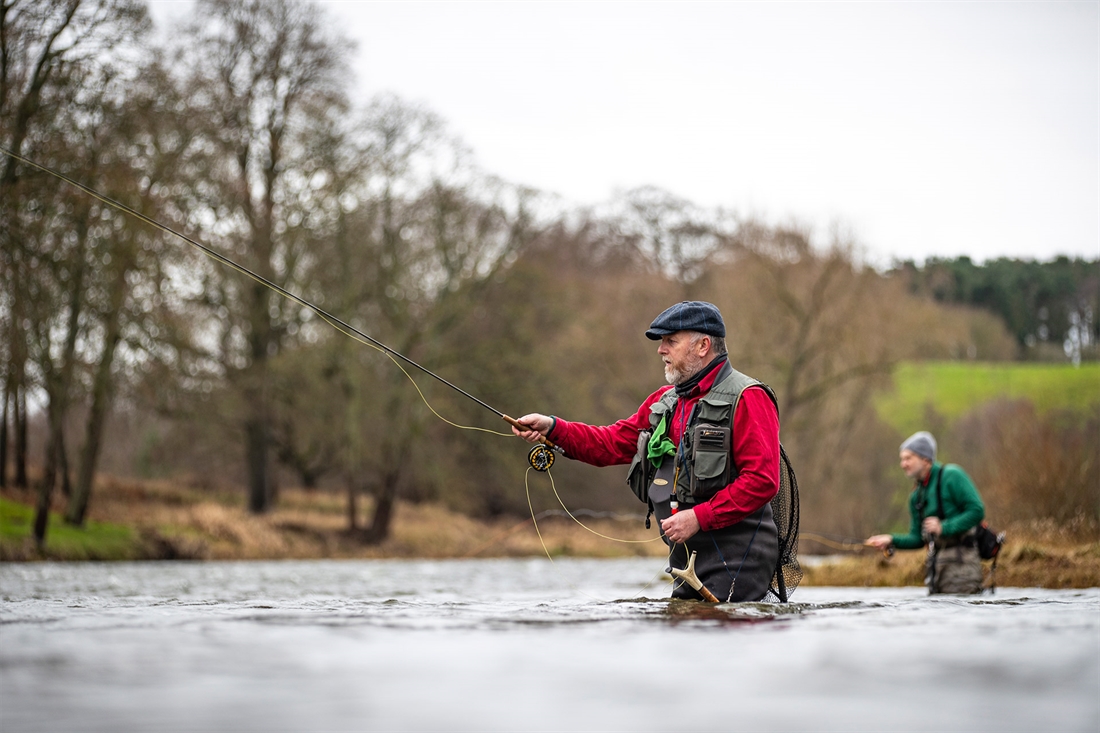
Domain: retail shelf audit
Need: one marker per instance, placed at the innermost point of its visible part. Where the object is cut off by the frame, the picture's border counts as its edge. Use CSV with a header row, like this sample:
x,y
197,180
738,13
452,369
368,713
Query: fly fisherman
x,y
945,509
704,456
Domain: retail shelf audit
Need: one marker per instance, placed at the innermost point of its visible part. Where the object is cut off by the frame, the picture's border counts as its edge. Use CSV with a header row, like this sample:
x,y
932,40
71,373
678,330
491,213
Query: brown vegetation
x,y
175,521
1033,465
185,522
1039,554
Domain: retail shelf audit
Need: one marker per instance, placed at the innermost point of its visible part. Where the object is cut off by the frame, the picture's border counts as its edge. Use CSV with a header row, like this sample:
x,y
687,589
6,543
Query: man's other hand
x,y
681,527
879,541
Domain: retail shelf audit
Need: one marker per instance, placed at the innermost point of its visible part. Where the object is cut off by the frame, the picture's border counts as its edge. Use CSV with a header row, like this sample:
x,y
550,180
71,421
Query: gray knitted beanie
x,y
922,443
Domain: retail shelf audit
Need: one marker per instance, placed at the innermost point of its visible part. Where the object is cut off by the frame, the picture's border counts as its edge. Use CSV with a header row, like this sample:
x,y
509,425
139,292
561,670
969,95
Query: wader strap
x,y
939,496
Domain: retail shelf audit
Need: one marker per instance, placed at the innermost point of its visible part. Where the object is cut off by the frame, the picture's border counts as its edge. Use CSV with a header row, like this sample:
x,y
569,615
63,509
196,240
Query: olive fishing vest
x,y
704,462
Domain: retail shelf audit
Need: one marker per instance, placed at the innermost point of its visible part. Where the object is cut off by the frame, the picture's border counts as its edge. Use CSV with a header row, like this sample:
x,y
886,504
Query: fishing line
x,y
846,546
836,545
554,487
545,549
540,457
340,325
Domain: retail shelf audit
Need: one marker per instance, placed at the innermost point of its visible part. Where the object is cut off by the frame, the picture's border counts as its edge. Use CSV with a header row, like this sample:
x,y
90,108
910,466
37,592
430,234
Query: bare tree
x,y
54,57
149,134
672,233
422,234
265,76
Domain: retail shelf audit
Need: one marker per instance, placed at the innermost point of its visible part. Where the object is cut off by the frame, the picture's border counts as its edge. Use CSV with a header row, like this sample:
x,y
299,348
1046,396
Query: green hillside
x,y
953,388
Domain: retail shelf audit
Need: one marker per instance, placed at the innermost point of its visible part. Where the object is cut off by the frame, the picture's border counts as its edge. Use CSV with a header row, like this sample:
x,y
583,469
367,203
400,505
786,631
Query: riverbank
x,y
140,520
1037,555
148,520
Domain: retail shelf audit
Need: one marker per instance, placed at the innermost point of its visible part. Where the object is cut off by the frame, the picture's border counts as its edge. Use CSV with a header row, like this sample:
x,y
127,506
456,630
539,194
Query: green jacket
x,y
962,507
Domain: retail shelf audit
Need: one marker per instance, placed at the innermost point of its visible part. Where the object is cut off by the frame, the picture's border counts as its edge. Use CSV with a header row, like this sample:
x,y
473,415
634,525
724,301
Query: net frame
x,y
788,573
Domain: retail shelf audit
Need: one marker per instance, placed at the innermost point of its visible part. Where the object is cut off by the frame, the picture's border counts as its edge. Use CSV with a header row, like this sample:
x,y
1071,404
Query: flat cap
x,y
690,315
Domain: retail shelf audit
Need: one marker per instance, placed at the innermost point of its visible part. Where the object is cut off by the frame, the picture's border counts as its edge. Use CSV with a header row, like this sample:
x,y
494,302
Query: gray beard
x,y
675,376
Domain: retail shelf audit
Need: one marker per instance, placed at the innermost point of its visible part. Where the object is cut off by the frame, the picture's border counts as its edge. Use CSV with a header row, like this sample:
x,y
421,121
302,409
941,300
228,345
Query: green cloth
x,y
962,506
659,443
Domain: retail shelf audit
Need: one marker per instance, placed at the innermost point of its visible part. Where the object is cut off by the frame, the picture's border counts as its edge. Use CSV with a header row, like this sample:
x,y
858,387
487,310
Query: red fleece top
x,y
755,449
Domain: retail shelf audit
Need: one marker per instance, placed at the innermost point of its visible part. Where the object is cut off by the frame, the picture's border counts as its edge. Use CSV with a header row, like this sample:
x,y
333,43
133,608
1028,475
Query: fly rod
x,y
540,456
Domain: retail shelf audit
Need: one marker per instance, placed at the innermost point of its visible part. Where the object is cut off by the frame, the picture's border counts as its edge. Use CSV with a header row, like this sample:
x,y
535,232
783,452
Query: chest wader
x,y
748,560
953,564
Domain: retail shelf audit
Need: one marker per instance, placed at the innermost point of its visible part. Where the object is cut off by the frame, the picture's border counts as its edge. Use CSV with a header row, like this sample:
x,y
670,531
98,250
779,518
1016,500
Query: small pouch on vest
x,y
710,459
638,476
661,488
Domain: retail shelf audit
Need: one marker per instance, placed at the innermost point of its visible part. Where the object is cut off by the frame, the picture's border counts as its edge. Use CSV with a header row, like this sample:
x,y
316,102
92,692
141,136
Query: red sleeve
x,y
608,445
755,457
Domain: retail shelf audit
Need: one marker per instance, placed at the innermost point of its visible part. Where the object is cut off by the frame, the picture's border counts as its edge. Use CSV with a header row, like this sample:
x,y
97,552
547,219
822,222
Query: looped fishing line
x,y
333,321
531,508
844,546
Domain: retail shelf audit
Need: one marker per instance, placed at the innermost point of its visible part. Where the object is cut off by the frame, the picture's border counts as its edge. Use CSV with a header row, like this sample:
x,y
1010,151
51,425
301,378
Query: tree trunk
x,y
17,390
102,393
259,480
4,437
21,437
353,506
261,492
68,357
18,393
59,377
42,514
395,447
379,529
53,441
63,466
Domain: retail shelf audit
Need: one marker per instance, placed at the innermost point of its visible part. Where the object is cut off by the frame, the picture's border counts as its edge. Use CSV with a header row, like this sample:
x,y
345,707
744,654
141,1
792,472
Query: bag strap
x,y
939,495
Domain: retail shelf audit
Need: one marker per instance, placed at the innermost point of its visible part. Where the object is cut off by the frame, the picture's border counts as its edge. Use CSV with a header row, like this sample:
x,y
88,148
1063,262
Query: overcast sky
x,y
926,128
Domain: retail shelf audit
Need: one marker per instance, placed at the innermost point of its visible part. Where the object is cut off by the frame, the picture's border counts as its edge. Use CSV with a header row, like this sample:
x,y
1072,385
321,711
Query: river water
x,y
524,645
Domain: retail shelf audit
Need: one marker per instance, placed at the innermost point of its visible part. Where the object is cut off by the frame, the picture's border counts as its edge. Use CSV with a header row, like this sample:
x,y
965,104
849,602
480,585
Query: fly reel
x,y
540,457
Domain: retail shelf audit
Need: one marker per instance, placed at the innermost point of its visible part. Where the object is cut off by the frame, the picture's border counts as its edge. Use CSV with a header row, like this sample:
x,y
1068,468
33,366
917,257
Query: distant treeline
x,y
150,358
1052,308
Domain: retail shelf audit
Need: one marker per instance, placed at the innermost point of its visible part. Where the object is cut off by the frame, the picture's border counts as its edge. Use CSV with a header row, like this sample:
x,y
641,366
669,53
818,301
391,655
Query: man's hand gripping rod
x,y
541,455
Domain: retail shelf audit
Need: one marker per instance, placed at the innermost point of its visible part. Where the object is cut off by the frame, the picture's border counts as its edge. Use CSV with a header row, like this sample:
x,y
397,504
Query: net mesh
x,y
788,573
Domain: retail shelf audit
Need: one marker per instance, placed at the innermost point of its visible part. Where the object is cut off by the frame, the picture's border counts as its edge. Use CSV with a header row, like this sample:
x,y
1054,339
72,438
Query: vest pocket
x,y
710,459
637,476
715,413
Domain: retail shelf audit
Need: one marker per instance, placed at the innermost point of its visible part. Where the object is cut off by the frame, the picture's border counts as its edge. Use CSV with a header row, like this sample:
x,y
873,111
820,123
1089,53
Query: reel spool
x,y
540,457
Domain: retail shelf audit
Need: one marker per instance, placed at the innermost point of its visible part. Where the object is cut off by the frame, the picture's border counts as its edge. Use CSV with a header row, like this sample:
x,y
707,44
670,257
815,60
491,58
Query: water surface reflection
x,y
524,645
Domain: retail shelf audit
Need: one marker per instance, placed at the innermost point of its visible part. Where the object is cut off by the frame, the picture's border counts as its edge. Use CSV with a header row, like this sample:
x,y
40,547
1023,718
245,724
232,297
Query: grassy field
x,y
954,388
95,541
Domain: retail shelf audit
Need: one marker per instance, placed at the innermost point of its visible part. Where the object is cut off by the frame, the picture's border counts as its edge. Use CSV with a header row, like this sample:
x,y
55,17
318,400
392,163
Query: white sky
x,y
931,128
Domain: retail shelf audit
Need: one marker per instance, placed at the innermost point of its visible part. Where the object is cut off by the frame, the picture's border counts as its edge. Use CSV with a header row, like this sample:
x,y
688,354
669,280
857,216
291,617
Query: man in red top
x,y
704,455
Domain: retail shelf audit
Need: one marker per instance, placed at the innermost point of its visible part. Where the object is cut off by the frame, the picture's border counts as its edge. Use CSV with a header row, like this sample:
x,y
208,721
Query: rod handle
x,y
520,426
707,595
